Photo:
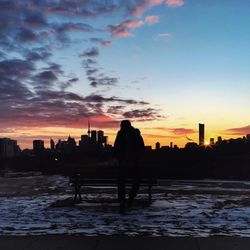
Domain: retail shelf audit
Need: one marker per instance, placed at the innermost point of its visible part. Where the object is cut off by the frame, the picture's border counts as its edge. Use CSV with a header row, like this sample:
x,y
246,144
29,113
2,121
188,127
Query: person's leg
x,y
121,188
135,185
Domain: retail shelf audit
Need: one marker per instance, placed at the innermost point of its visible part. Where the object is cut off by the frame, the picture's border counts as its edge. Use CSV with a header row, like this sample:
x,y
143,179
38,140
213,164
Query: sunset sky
x,y
166,65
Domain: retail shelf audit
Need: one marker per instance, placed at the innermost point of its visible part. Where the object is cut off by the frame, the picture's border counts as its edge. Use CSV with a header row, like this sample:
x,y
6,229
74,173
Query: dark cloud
x,y
101,41
103,81
92,52
91,71
26,35
49,76
16,68
116,109
88,8
89,63
55,67
35,19
94,76
46,76
12,92
66,27
73,80
102,99
142,114
39,54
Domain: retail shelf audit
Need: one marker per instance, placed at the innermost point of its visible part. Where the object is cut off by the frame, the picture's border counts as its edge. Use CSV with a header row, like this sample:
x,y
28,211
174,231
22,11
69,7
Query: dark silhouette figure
x,y
128,148
77,184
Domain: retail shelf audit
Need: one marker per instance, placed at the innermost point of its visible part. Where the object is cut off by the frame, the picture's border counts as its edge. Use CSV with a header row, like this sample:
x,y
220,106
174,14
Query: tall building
x,y
52,144
201,134
89,129
59,145
157,145
219,139
38,145
100,136
105,140
93,135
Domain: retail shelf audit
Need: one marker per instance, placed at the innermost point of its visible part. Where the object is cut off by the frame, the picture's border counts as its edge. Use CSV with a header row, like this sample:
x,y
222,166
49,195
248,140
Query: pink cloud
x,y
122,33
142,7
124,28
174,3
151,19
238,131
139,10
131,24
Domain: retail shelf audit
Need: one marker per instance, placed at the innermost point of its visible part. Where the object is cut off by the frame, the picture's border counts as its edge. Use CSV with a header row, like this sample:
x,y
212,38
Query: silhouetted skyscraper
x,y
219,139
89,129
157,145
201,134
171,144
59,145
100,136
93,135
38,145
52,144
105,140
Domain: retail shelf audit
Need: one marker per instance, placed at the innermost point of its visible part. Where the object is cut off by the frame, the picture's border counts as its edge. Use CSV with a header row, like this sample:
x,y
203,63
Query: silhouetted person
x,y
128,148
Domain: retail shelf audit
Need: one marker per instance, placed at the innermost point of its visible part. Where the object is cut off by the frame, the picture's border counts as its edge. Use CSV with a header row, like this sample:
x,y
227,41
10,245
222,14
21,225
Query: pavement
x,y
63,242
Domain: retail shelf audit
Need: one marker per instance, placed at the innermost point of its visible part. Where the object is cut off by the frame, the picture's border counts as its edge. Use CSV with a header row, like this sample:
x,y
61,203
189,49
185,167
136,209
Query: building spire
x,y
88,128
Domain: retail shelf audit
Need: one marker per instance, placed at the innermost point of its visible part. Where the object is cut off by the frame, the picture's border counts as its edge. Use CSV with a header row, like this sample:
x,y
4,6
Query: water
x,y
179,208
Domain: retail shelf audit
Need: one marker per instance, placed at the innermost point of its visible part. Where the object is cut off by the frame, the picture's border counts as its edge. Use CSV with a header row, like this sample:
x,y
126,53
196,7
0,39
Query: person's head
x,y
125,125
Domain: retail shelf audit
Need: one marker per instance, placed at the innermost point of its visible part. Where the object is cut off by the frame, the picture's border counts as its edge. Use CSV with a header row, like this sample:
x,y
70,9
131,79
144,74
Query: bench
x,y
77,181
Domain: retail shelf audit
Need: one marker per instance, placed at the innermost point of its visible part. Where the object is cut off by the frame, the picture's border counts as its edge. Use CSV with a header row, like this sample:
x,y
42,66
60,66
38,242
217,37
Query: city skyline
x,y
100,136
166,65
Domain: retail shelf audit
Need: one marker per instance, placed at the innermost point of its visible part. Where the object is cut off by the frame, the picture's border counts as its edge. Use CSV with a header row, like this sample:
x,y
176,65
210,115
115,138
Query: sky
x,y
166,65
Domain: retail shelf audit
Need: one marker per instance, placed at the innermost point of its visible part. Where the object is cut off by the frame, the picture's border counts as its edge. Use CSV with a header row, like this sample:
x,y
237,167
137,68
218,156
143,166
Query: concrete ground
x,y
63,242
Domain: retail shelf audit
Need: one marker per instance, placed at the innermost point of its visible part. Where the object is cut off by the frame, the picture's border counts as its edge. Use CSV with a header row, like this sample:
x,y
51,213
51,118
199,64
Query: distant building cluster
x,y
92,141
202,142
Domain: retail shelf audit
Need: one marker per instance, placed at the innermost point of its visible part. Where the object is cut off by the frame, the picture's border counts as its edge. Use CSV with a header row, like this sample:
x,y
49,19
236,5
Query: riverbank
x,y
43,205
66,242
